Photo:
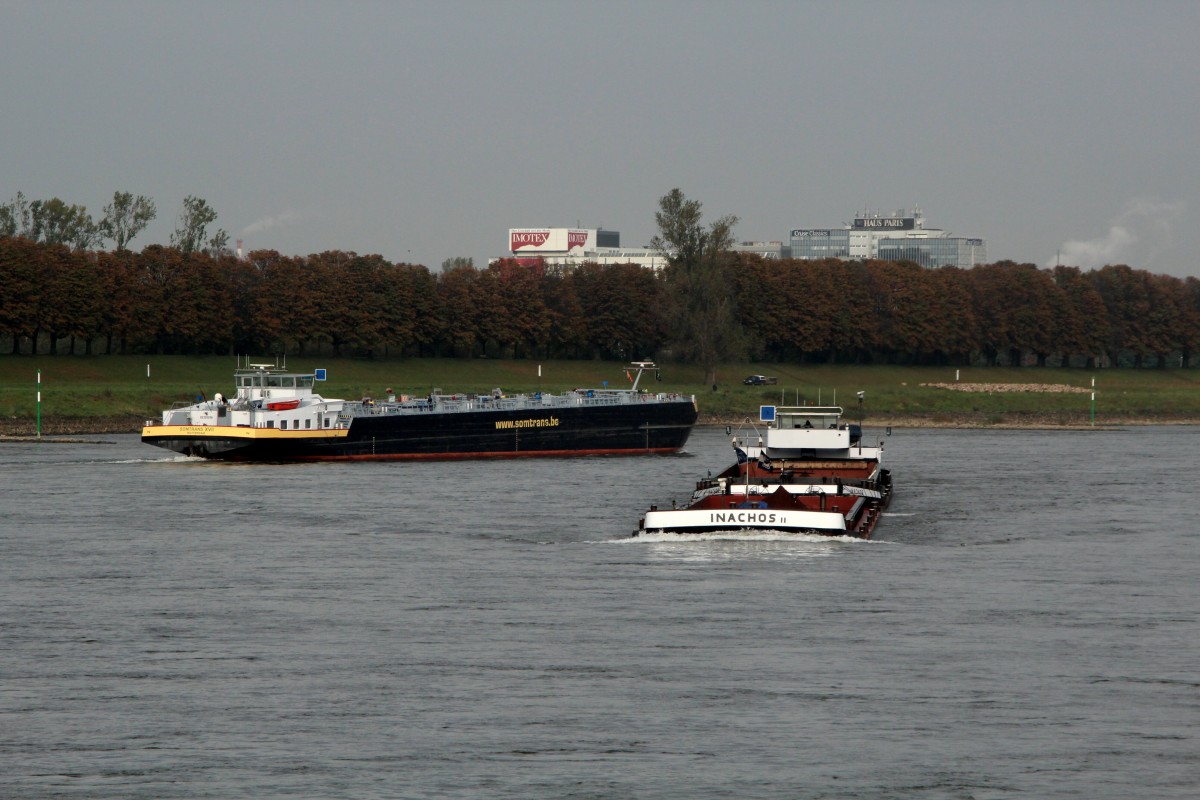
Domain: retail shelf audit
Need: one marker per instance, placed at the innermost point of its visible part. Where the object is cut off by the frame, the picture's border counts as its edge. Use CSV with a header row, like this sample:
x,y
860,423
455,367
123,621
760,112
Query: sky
x,y
1059,132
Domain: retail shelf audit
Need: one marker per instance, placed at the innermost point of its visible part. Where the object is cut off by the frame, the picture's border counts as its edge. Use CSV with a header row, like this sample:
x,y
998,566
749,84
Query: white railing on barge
x,y
449,404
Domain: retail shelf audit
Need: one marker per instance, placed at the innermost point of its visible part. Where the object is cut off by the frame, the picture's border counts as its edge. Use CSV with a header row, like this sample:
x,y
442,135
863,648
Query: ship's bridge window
x,y
814,421
275,380
304,381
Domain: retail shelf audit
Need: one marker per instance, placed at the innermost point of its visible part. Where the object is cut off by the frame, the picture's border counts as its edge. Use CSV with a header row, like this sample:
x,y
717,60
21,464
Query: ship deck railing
x,y
792,480
531,402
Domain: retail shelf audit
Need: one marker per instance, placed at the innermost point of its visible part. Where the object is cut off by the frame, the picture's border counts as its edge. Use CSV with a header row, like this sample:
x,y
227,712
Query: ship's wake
x,y
151,460
736,536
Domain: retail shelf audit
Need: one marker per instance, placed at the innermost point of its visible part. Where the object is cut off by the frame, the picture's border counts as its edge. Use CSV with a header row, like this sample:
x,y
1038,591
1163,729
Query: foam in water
x,y
737,536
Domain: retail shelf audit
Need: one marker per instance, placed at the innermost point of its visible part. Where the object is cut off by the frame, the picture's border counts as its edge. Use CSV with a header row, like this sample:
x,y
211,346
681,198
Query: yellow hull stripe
x,y
232,432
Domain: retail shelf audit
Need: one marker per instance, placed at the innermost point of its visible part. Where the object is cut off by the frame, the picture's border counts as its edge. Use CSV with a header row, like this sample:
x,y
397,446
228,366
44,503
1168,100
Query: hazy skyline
x,y
424,131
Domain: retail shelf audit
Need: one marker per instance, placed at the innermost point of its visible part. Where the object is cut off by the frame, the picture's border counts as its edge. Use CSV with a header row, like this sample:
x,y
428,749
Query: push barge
x,y
276,416
809,473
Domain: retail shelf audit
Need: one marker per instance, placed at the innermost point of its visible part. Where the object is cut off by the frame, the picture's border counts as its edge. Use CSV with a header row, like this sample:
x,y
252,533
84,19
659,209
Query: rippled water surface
x,y
1023,624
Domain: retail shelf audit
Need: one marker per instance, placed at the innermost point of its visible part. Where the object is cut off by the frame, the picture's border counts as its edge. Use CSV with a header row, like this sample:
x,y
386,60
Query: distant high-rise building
x,y
900,237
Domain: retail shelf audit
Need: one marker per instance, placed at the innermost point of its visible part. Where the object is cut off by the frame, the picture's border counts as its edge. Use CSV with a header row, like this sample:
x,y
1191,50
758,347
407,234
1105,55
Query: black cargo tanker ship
x,y
276,416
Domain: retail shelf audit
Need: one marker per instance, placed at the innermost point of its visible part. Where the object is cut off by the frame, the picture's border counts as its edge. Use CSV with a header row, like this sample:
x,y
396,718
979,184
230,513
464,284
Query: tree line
x,y
163,300
991,314
709,305
53,221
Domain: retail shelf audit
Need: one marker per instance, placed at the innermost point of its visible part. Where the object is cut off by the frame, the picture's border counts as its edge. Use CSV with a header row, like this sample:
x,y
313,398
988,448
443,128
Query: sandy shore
x,y
18,428
989,420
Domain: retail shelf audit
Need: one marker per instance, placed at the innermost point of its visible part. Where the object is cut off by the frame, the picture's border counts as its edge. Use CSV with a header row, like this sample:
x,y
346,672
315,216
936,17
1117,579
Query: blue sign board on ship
x,y
318,375
766,413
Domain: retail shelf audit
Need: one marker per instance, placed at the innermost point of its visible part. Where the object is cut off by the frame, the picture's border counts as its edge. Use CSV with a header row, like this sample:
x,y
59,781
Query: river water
x,y
1023,624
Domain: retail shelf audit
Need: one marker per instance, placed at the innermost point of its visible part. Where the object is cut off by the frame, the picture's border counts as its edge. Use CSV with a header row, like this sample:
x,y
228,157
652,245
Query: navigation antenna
x,y
640,366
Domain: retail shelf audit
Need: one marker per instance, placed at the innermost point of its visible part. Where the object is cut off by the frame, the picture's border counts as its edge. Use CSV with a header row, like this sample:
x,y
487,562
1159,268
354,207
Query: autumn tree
x,y
16,218
800,310
518,319
1083,330
568,325
456,262
50,221
158,268
851,331
125,217
1128,306
55,222
488,311
358,317
20,288
241,282
423,299
703,311
622,304
192,227
82,311
798,313
1018,308
1191,339
284,304
458,292
115,279
398,293
68,297
1171,320
953,316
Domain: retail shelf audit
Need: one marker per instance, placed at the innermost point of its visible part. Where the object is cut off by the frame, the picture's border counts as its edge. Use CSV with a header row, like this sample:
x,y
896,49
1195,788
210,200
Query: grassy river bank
x,y
117,394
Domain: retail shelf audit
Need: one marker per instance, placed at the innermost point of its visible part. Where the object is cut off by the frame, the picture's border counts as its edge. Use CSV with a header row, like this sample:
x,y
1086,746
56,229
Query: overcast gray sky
x,y
424,131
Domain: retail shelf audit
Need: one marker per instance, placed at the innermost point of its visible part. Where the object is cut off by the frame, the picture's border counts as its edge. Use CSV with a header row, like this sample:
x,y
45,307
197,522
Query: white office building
x,y
571,246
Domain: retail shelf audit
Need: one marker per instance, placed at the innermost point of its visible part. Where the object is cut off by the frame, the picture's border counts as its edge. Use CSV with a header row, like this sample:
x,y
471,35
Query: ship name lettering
x,y
761,517
511,424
